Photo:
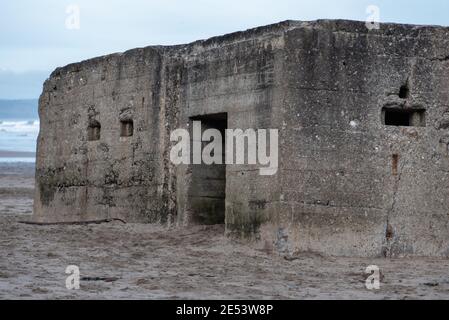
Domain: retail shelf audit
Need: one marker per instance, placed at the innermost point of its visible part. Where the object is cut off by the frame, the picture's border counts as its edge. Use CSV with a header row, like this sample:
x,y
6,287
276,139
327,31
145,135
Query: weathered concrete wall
x,y
347,184
114,176
242,80
350,184
160,89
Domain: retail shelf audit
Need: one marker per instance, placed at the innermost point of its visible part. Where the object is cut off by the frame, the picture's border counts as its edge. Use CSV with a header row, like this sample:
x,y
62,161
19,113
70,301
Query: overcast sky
x,y
34,38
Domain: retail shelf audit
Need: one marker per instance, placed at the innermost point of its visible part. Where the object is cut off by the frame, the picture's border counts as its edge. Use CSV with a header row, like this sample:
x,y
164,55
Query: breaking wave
x,y
19,135
30,126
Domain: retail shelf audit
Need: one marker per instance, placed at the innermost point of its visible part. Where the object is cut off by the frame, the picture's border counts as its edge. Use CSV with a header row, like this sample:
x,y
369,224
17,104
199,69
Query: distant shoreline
x,y
16,154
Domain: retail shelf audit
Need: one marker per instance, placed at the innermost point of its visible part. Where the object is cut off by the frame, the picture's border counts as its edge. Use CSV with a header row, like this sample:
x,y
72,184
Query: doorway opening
x,y
207,192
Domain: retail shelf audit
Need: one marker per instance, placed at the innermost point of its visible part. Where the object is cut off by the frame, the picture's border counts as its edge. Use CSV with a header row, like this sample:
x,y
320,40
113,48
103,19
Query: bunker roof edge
x,y
337,25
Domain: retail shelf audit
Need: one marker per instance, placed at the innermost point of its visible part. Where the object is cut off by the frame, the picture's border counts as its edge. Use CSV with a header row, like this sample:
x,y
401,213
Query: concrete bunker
x,y
207,191
334,191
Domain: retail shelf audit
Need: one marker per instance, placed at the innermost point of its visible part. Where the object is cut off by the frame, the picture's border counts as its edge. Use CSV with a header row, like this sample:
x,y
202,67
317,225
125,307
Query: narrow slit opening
x,y
94,131
404,117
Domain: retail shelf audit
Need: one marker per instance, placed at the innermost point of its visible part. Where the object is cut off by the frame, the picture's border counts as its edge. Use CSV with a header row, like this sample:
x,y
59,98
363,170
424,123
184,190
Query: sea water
x,y
18,136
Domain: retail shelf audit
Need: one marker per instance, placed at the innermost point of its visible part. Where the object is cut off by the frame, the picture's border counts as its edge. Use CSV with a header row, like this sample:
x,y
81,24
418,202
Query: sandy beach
x,y
16,154
16,188
126,261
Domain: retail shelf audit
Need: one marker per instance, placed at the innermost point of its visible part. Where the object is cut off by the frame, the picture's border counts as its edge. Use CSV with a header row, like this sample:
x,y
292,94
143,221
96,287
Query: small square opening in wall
x,y
404,92
404,117
93,131
126,128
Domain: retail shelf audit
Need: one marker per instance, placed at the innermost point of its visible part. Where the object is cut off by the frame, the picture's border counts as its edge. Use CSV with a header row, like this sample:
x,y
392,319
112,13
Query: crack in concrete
x,y
389,231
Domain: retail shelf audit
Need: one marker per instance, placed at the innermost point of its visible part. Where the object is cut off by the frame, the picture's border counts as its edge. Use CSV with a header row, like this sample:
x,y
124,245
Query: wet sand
x,y
16,188
126,261
16,154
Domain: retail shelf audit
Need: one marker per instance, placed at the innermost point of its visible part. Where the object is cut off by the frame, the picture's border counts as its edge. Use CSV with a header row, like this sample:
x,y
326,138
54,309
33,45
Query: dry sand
x,y
127,261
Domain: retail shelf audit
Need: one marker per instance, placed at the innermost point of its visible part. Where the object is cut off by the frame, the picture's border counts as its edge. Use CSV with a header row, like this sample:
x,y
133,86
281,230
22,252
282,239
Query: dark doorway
x,y
207,192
